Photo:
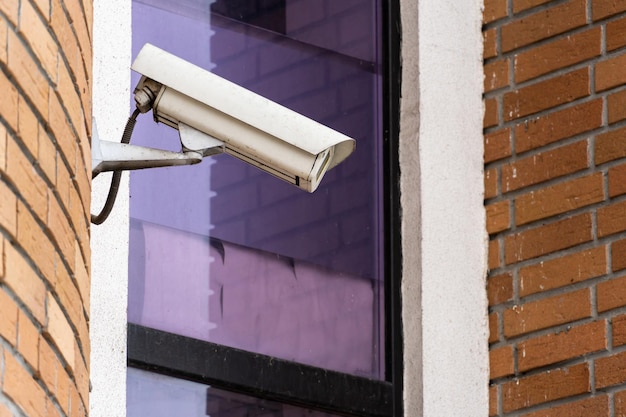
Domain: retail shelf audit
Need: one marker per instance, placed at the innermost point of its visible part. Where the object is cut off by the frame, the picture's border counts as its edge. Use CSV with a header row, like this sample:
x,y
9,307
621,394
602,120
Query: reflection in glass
x,y
156,395
226,253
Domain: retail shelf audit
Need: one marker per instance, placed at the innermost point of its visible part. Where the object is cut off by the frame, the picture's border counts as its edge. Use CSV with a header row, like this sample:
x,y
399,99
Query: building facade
x,y
529,322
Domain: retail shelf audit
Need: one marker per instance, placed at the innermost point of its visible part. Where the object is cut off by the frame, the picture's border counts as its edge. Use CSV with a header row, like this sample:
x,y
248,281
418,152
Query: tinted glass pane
x,y
226,253
154,395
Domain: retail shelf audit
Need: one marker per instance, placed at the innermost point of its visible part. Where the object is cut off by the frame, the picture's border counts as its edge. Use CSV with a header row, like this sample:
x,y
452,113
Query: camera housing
x,y
252,128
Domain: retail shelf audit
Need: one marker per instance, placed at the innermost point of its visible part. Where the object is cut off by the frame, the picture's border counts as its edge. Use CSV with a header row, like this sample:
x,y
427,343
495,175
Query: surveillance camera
x,y
251,127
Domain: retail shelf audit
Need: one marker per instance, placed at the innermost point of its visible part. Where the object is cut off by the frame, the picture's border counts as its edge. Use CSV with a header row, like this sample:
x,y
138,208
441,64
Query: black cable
x,y
117,175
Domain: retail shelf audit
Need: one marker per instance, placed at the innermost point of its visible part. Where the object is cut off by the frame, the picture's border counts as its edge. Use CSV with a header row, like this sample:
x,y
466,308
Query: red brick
x,y
493,400
497,145
544,387
557,54
610,146
605,8
545,166
609,73
543,95
494,10
557,347
490,118
619,330
501,362
498,216
618,255
555,126
496,74
587,407
521,5
610,370
547,312
611,294
494,254
500,288
491,183
611,219
546,239
490,47
616,105
563,271
616,34
544,24
559,198
494,334
619,400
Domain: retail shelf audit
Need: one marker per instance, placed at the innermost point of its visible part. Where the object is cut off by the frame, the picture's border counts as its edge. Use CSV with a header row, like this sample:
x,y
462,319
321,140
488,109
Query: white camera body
x,y
252,128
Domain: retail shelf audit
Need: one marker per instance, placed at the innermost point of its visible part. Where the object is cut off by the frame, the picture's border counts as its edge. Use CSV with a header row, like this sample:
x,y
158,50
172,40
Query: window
x,y
246,295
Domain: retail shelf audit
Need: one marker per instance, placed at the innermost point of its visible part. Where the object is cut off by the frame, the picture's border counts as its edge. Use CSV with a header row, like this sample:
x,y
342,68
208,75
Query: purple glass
x,y
226,253
156,395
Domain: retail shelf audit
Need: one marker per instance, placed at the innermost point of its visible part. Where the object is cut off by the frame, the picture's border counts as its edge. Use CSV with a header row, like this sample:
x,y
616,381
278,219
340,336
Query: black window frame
x,y
294,383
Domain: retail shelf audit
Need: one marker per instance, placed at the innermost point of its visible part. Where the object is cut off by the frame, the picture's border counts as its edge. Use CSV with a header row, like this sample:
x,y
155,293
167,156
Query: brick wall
x,y
45,117
555,143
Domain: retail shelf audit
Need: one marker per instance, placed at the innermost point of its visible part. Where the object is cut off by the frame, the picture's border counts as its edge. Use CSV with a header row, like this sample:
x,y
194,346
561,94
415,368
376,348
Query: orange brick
x,y
609,73
618,255
616,34
58,225
496,74
558,125
498,217
548,312
44,47
494,334
618,324
500,288
611,219
559,198
60,332
490,118
491,183
610,146
24,282
27,74
494,254
22,388
8,104
544,387
501,362
544,24
29,184
557,347
497,145
605,8
28,127
47,365
8,318
8,209
545,166
611,294
616,104
35,242
595,406
543,95
63,135
10,9
28,340
3,148
610,370
494,10
557,54
490,48
562,271
549,238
